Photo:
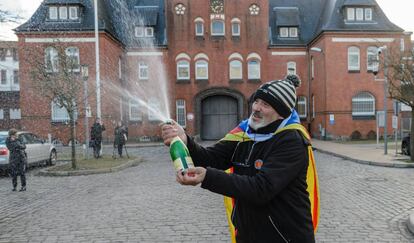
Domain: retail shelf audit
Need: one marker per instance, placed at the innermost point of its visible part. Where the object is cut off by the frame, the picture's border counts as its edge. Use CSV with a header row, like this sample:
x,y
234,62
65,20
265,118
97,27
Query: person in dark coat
x,y
270,164
96,137
17,159
121,136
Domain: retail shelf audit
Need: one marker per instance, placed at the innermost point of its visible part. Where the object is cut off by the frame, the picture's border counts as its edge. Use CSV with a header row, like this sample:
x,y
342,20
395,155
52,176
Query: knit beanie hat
x,y
280,94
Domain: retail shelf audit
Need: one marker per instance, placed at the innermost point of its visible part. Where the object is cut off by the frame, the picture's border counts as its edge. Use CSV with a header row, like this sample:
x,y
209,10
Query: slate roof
x,y
317,16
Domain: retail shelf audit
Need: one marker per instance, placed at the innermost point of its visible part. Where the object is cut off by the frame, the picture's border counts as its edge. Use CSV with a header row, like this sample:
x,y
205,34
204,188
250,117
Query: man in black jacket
x,y
17,159
268,185
96,137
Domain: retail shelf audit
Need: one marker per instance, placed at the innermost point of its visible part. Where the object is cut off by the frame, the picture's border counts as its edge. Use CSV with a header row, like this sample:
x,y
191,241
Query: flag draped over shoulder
x,y
242,133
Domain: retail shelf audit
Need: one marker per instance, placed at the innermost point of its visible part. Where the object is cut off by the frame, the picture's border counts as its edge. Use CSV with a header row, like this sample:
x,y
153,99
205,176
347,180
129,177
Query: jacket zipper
x,y
274,226
234,212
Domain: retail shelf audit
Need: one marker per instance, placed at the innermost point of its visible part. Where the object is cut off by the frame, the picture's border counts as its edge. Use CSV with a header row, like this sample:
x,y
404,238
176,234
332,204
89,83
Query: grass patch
x,y
93,164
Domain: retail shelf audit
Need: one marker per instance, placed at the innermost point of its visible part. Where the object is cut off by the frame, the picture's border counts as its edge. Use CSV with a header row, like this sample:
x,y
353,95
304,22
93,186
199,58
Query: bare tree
x,y
7,16
57,78
400,77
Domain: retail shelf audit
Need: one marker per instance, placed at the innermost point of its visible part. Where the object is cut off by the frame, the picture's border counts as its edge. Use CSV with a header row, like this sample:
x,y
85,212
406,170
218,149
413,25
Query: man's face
x,y
262,114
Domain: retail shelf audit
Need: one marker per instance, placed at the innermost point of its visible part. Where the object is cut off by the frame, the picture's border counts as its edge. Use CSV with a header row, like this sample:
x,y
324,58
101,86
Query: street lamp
x,y
85,76
375,70
310,78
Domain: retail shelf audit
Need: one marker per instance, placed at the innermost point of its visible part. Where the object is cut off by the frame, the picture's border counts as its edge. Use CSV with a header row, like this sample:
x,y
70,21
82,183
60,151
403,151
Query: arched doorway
x,y
219,115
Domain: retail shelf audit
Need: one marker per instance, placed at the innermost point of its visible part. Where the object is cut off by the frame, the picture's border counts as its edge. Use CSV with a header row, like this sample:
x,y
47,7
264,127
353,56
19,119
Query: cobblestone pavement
x,y
359,203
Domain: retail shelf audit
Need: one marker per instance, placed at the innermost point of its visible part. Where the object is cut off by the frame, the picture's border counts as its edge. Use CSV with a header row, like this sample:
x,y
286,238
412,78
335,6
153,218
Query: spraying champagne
x,y
179,154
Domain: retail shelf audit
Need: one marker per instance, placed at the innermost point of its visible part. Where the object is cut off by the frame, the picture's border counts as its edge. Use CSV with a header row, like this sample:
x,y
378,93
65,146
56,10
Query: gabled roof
x,y
287,16
359,3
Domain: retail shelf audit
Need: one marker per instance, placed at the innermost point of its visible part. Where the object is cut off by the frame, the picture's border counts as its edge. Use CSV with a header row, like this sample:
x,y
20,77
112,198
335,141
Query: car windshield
x,y
3,139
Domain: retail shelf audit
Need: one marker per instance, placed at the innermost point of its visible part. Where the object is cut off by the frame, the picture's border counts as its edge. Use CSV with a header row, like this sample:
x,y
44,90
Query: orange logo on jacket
x,y
258,164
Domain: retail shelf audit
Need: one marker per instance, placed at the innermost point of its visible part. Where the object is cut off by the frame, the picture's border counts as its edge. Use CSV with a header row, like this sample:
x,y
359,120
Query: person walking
x,y
17,159
96,136
273,184
121,136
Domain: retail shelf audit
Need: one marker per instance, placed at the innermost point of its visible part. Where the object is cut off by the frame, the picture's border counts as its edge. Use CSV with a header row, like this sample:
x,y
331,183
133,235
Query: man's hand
x,y
169,131
193,176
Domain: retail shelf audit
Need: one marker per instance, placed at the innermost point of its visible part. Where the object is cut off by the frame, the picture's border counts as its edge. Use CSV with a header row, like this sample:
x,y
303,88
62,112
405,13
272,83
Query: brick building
x,y
199,61
9,86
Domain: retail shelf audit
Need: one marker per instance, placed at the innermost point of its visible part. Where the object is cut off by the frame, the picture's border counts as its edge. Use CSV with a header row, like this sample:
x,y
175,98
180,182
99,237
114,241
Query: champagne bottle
x,y
180,155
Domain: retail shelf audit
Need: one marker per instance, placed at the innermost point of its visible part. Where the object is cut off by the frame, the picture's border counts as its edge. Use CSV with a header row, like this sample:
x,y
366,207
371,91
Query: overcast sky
x,y
400,12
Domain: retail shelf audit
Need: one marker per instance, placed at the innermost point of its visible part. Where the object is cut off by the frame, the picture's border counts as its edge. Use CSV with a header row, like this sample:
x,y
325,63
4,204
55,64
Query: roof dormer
x,y
358,11
287,22
64,11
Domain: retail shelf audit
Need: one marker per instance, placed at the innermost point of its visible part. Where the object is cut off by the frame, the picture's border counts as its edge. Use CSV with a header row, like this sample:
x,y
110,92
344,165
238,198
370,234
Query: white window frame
x,y
134,104
59,114
154,107
354,50
74,55
253,69
293,32
180,112
291,68
199,23
235,64
371,53
63,13
52,53
3,76
284,32
149,32
350,14
302,101
213,33
368,14
15,114
1,114
200,64
363,97
183,64
53,13
142,68
76,11
359,14
233,31
139,31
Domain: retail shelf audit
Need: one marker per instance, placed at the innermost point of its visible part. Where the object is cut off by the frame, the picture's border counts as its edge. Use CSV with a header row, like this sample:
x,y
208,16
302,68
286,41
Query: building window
x,y
73,13
3,78
134,113
254,9
1,114
143,71
368,14
353,58
301,107
51,59
284,32
154,108
235,27
291,68
180,112
16,77
293,32
359,14
63,13
73,62
183,70
236,71
149,32
217,28
15,54
179,9
350,14
363,104
288,32
199,28
53,13
253,70
15,114
139,31
201,70
371,57
60,114
313,67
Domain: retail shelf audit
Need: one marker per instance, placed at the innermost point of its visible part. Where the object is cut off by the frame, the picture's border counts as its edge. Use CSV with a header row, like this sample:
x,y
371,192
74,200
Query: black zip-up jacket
x,y
268,185
17,151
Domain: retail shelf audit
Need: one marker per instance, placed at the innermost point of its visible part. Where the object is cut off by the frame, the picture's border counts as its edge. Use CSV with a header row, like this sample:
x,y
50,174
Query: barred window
x,y
180,112
363,104
301,107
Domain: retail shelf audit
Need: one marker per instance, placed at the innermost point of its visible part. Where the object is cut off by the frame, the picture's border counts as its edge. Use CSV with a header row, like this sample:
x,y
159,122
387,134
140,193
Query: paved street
x,y
359,203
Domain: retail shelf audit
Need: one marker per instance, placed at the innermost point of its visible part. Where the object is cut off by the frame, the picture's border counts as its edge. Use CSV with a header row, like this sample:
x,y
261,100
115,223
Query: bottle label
x,y
180,155
183,163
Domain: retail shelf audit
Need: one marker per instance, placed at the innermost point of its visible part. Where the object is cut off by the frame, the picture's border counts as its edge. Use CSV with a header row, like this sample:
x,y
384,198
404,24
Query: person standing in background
x,y
96,136
17,159
121,136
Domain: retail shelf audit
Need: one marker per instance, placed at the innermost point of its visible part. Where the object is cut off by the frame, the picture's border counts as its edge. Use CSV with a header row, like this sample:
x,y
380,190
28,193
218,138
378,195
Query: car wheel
x,y
52,158
405,149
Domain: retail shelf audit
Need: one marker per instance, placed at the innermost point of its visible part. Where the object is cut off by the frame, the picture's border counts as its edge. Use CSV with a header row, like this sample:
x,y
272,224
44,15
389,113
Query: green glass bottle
x,y
180,155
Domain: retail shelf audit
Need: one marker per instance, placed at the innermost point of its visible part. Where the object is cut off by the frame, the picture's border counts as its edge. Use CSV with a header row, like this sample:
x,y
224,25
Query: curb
x,y
131,163
375,163
410,223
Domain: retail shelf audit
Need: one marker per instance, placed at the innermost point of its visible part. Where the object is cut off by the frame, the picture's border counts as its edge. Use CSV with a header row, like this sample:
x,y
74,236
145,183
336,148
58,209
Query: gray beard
x,y
256,125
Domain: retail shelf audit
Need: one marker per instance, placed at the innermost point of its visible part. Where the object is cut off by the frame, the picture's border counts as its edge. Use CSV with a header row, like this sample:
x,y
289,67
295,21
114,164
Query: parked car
x,y
38,150
405,145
